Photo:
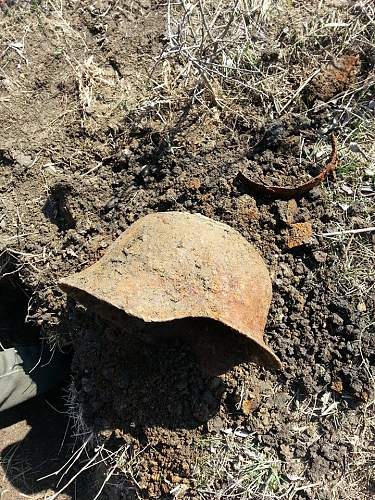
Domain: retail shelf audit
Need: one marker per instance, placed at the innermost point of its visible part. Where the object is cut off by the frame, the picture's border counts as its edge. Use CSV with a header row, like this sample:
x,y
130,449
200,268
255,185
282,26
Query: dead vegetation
x,y
228,54
237,468
236,465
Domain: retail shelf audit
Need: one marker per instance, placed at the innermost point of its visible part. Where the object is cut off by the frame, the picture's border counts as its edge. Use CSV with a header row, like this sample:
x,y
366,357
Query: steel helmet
x,y
175,273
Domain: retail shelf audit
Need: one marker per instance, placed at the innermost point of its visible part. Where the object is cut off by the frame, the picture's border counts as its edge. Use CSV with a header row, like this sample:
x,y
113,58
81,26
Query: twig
x,y
349,231
85,467
299,90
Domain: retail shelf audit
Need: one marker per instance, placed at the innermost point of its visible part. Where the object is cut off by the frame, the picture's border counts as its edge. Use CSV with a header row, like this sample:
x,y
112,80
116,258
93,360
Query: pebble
x,y
320,256
361,307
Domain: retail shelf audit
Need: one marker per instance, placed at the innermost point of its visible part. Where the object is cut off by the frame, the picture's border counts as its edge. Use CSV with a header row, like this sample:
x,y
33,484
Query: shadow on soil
x,y
43,450
126,383
159,375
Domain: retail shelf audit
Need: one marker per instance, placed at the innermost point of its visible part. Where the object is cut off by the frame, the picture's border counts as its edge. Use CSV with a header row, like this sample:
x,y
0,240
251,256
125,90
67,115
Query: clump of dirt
x,y
299,233
336,77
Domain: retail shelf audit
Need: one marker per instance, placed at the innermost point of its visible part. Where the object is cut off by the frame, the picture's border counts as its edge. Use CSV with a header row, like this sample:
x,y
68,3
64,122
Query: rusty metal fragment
x,y
179,266
288,192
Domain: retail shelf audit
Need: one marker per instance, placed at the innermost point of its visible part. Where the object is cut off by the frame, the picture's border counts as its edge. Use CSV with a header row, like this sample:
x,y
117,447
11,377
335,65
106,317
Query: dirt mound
x,y
326,356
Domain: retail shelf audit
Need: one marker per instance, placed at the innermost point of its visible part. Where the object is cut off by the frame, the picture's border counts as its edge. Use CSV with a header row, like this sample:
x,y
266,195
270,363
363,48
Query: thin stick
x,y
79,452
349,231
56,495
299,90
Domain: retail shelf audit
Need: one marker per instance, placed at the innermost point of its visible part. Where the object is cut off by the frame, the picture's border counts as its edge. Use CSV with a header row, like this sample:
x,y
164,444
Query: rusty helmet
x,y
176,273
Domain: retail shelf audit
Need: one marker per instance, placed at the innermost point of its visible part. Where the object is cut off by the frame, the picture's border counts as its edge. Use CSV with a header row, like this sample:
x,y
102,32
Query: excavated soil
x,y
73,178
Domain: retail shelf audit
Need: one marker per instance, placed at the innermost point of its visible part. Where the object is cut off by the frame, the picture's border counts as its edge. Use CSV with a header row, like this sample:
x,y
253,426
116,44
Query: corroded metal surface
x,y
171,266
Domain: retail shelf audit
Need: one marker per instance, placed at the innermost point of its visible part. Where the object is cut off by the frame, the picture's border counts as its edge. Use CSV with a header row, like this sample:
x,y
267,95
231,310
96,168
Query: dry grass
x,y
358,476
230,53
353,194
236,467
354,428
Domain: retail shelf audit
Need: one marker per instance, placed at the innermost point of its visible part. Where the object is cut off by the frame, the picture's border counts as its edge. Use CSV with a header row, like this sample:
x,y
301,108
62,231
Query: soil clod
x,y
299,234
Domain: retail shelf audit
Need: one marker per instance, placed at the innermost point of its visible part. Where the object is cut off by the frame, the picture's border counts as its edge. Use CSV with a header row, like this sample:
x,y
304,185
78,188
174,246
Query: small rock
x,y
287,210
361,307
320,256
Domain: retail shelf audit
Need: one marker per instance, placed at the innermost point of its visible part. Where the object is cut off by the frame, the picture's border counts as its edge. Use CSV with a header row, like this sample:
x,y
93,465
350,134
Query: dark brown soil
x,y
73,178
283,155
